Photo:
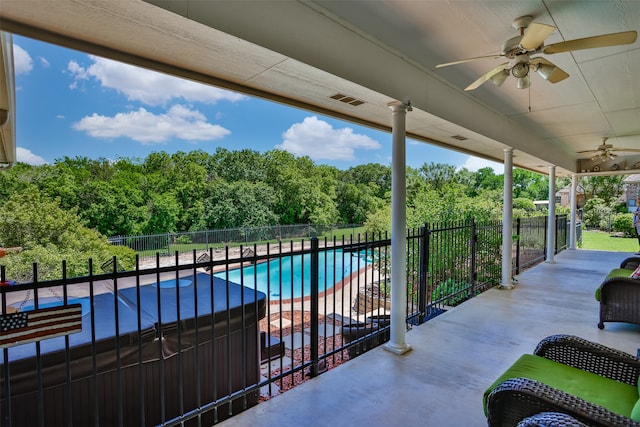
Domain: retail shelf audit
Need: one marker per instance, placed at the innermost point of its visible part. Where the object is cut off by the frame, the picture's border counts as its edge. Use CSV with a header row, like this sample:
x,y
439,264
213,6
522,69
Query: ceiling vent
x,y
459,137
347,99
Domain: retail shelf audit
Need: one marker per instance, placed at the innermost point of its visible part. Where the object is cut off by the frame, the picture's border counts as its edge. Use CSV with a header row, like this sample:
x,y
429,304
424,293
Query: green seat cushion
x,y
616,272
619,272
615,396
635,413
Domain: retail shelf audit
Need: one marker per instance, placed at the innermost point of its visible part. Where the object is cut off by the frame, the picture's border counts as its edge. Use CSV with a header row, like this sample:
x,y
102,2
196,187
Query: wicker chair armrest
x,y
630,263
518,398
550,419
630,287
590,356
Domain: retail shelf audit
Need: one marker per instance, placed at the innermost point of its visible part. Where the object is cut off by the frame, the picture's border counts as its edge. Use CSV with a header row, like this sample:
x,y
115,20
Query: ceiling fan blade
x,y
628,150
535,35
548,70
462,61
587,151
615,39
500,68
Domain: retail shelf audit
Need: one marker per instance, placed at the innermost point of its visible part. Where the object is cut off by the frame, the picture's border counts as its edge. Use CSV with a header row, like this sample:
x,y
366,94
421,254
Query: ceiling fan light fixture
x,y
523,82
545,71
520,70
500,77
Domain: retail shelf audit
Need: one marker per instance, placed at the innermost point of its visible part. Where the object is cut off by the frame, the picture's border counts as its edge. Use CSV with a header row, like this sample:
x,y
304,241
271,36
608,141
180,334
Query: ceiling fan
x,y
520,49
606,151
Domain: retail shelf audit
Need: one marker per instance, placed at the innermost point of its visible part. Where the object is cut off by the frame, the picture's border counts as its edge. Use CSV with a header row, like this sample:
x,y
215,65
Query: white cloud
x,y
44,62
25,156
143,126
320,141
149,87
475,163
21,60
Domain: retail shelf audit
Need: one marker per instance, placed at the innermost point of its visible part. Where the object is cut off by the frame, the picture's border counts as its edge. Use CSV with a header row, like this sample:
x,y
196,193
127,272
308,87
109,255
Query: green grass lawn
x,y
603,241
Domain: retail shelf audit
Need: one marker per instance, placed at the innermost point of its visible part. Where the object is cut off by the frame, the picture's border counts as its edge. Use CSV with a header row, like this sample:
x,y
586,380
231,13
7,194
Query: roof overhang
x,y
304,53
7,103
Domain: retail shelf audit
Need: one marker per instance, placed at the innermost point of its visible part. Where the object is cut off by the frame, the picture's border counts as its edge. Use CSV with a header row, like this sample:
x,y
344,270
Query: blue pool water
x,y
294,272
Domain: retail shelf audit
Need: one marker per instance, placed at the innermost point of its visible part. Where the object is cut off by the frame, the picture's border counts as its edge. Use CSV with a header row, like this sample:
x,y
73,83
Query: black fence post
x,y
314,306
473,242
517,246
546,229
424,273
555,244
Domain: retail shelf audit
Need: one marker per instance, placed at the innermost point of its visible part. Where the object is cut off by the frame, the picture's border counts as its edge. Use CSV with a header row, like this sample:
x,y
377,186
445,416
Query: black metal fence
x,y
185,241
197,342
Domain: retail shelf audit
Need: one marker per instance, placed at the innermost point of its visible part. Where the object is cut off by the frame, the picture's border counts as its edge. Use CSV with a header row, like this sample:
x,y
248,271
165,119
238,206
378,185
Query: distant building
x,y
563,197
631,191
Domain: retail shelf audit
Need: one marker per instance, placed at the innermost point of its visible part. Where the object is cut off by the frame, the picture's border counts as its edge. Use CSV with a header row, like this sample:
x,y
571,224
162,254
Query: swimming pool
x,y
294,273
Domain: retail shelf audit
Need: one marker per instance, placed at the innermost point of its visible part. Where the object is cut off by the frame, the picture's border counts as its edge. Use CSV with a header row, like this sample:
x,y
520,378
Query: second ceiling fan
x,y
519,51
607,151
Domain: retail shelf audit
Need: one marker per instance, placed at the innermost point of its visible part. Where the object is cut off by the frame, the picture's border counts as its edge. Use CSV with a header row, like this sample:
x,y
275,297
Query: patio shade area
x,y
456,355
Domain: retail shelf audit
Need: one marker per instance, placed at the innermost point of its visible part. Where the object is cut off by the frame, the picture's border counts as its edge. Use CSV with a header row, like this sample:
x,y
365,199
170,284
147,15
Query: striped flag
x,y
35,325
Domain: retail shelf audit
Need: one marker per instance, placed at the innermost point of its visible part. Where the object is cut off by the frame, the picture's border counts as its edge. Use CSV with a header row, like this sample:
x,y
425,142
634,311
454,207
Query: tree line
x,y
227,189
69,207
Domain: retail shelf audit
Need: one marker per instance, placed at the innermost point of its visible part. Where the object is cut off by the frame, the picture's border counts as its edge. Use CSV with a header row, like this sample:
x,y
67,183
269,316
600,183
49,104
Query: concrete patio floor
x,y
455,356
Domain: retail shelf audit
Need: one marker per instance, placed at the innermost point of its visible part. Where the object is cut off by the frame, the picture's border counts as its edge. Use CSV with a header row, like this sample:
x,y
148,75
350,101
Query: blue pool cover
x,y
240,300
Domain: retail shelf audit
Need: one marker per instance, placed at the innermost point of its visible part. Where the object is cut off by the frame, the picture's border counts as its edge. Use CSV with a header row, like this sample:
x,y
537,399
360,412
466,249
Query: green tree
x,y
305,193
15,180
50,234
486,179
163,214
240,165
530,185
439,175
355,202
375,176
114,210
606,188
379,222
239,204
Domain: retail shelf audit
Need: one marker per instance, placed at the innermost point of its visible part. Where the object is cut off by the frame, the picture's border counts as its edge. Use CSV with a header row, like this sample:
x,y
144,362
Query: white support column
x,y
397,343
574,208
507,220
551,222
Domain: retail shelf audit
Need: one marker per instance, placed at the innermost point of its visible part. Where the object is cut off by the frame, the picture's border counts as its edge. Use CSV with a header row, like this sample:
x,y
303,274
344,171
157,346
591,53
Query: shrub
x,y
596,214
184,239
524,204
451,292
623,223
620,207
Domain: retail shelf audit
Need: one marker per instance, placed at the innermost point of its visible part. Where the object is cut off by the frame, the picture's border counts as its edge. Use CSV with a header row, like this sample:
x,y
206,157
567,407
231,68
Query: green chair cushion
x,y
635,413
615,396
616,272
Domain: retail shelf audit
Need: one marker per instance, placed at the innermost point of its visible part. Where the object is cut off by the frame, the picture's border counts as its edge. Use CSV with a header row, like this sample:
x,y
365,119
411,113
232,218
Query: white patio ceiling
x,y
304,52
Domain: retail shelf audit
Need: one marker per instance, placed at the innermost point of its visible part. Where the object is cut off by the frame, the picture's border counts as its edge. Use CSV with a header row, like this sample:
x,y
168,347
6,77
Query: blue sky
x,y
73,104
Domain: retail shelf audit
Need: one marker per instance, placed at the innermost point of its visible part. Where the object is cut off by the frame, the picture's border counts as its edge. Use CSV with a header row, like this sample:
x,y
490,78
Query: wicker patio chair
x,y
515,399
550,419
630,263
619,295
